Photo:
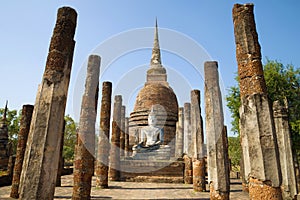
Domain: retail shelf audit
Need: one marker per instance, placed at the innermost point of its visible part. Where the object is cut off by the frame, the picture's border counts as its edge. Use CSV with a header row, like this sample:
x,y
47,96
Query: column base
x,y
259,190
217,195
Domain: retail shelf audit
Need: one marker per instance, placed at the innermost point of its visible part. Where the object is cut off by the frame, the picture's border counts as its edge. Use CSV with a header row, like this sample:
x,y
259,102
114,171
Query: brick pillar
x,y
10,166
84,154
289,184
122,131
225,153
179,134
42,153
188,170
197,143
61,158
256,120
114,173
103,145
297,172
21,147
127,148
216,160
4,144
245,161
199,175
187,129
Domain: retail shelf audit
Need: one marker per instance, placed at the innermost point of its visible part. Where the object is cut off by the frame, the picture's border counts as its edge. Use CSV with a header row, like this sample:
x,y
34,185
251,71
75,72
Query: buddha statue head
x,y
152,120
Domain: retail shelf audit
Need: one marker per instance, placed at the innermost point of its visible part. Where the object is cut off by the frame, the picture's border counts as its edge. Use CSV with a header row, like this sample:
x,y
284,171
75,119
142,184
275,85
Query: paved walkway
x,y
136,190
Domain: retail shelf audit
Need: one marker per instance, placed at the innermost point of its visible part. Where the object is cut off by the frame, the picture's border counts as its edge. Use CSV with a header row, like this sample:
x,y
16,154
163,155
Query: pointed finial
x,y
5,110
155,59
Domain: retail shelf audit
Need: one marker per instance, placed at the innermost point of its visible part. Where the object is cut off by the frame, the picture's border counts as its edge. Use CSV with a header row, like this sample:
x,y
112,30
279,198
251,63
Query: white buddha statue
x,y
151,135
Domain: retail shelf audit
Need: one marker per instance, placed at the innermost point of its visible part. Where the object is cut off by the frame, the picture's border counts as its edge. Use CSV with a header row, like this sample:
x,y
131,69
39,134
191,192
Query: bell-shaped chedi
x,y
156,92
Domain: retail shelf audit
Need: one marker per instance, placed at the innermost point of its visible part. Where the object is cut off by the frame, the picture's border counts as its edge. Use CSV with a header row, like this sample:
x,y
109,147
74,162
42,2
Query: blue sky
x,y
26,29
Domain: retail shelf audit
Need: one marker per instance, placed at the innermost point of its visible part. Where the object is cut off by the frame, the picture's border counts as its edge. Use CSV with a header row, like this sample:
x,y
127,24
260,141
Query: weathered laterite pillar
x,y
84,155
114,173
11,165
21,147
42,152
216,159
179,134
188,170
187,129
103,145
4,144
197,143
122,131
127,150
225,152
256,117
61,158
289,184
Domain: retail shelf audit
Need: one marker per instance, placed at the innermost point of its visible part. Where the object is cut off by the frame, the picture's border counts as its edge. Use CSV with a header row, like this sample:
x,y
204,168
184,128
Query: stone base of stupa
x,y
162,153
162,171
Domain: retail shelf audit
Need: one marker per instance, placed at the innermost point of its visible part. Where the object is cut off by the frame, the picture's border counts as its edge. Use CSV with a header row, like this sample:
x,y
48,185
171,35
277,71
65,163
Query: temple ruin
x,y
160,141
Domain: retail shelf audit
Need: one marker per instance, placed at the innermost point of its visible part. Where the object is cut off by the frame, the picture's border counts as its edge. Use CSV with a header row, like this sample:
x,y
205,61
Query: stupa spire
x,y
155,59
156,73
5,111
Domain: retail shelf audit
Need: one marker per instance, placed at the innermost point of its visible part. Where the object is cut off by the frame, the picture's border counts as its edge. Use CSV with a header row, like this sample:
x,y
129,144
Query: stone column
x,y
21,147
289,184
10,166
197,143
297,172
4,145
127,150
187,129
256,120
188,169
225,152
114,173
122,131
179,134
84,155
103,145
61,158
216,160
42,152
199,184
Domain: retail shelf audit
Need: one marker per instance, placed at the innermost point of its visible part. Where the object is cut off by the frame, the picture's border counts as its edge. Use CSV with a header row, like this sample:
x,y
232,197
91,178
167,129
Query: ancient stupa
x,y
156,92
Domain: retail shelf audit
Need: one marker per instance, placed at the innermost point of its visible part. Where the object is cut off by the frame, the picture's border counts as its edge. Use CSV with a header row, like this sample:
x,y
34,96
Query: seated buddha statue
x,y
151,135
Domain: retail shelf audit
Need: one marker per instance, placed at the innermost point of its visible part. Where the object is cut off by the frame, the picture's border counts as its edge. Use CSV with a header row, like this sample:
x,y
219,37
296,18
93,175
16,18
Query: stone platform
x,y
161,171
163,153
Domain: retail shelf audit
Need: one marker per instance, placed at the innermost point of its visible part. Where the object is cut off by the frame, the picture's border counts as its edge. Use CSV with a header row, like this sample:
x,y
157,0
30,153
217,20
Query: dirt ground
x,y
137,190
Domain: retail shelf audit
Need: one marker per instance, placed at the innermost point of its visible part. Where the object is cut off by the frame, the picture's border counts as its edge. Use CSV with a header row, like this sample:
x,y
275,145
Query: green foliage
x,y
234,152
283,81
233,103
13,121
69,139
13,124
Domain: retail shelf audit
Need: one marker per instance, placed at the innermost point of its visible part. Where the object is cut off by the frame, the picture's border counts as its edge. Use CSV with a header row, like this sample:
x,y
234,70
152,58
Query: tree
x,y
234,152
13,124
283,81
69,138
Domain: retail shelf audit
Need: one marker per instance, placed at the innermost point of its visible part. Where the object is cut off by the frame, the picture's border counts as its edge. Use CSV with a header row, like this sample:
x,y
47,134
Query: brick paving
x,y
138,190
